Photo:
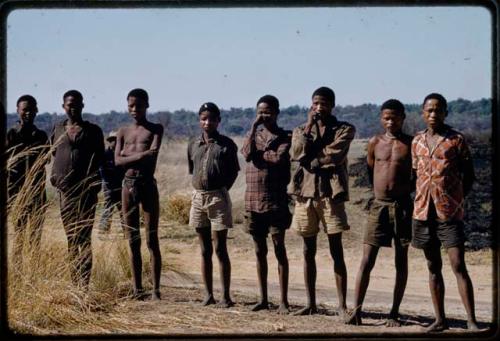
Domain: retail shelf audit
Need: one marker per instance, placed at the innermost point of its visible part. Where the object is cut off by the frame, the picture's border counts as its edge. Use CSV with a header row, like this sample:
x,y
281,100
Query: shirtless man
x,y
137,147
389,166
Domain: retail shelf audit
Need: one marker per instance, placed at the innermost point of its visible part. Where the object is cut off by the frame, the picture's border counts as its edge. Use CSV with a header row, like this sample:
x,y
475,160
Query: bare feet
x,y
138,295
437,326
208,300
260,306
225,303
472,326
353,318
392,322
284,309
306,311
155,296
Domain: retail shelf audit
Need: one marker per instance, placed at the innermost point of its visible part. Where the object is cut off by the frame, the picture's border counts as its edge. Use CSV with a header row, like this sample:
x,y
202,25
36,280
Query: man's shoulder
x,y
227,141
156,128
346,125
418,136
92,126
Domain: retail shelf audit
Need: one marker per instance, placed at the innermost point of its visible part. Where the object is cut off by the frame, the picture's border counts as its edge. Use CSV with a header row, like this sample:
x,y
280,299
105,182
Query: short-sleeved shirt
x,y
331,178
77,162
213,163
25,146
267,171
439,175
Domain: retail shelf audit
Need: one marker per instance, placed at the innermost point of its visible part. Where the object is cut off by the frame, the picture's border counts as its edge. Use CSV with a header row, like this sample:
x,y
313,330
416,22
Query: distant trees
x,y
474,118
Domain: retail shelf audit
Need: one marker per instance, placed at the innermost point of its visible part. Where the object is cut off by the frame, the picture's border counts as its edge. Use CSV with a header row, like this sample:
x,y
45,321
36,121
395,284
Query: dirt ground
x,y
180,314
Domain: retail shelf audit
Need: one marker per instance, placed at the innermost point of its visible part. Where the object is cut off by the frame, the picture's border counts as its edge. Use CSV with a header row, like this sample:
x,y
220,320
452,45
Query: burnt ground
x,y
478,204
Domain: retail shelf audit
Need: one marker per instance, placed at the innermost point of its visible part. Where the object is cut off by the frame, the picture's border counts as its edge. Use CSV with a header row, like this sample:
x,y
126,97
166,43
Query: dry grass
x,y
176,208
43,300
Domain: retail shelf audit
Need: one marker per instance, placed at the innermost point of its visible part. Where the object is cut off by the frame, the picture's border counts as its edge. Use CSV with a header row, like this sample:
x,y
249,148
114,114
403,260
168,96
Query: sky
x,y
184,57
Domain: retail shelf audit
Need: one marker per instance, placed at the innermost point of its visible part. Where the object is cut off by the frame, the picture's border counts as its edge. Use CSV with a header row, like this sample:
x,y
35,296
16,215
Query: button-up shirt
x,y
320,162
77,162
213,163
441,175
267,171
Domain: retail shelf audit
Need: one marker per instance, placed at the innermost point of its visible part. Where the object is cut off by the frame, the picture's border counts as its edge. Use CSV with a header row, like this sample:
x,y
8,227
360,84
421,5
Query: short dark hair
x,y
394,104
325,92
272,101
437,97
211,107
139,93
73,93
27,98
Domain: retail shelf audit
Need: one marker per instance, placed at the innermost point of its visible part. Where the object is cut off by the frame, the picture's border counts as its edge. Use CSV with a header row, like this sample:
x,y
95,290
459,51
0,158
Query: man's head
x,y
392,115
209,115
268,107
323,101
111,140
434,110
73,104
138,103
27,109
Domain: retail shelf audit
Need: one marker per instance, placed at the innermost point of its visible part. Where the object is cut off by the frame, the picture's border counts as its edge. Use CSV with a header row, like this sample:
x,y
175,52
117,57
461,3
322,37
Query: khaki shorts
x,y
310,213
211,209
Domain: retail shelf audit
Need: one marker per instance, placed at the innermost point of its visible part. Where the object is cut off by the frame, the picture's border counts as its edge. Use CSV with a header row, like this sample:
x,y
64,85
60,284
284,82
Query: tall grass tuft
x,y
176,208
41,297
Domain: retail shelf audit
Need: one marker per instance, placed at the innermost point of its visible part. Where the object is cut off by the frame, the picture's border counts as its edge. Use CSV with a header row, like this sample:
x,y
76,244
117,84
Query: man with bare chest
x,y
78,150
137,147
389,167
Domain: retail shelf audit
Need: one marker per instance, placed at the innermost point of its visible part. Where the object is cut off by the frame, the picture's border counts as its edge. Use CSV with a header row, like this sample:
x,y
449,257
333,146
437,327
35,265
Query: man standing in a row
x,y
78,149
320,187
27,148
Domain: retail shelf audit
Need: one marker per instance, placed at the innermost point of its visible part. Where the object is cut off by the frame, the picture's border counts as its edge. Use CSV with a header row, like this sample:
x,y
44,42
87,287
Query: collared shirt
x,y
76,162
440,175
267,171
213,163
26,147
320,162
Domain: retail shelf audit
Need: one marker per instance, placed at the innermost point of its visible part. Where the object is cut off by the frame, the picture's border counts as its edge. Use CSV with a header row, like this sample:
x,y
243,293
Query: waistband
x,y
202,191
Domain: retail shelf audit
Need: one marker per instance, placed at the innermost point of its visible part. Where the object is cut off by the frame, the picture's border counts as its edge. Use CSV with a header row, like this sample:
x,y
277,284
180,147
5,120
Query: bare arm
x,y
467,167
127,160
370,158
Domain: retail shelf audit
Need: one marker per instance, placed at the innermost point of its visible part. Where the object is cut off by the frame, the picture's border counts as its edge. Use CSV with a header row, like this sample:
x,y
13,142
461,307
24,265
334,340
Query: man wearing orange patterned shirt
x,y
445,173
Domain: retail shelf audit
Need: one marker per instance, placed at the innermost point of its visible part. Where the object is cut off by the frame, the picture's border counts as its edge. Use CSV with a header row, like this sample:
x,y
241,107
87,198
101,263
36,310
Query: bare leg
x,y
260,244
309,276
401,264
205,239
150,206
436,286
220,238
280,253
339,268
370,253
465,288
131,217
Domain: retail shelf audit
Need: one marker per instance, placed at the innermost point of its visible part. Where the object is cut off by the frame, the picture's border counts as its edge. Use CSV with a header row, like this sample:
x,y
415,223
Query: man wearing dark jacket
x,y
78,149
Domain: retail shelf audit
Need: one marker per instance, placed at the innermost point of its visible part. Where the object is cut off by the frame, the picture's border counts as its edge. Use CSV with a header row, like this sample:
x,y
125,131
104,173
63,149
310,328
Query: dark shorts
x,y
273,222
389,220
434,233
140,189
